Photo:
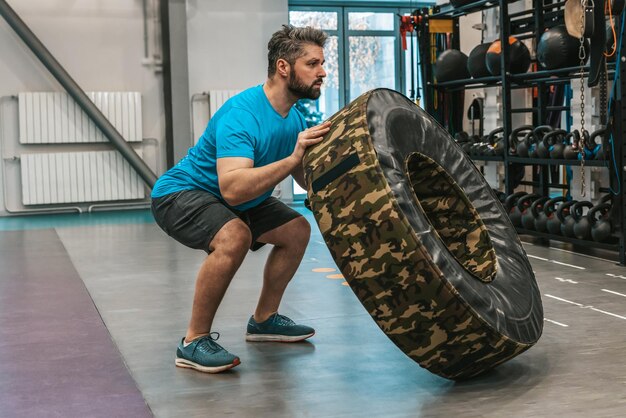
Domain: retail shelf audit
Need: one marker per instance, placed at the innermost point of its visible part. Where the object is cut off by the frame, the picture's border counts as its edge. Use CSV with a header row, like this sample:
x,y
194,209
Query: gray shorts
x,y
193,217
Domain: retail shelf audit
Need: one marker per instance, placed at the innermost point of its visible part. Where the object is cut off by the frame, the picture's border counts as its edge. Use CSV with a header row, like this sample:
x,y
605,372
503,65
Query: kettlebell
x,y
461,137
553,141
570,152
526,147
516,145
541,147
600,222
510,205
496,139
523,208
582,227
529,221
552,223
596,146
607,198
564,213
470,143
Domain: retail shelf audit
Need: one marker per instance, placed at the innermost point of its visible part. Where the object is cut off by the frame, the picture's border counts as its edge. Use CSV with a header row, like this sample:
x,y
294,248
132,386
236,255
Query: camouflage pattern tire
x,y
421,238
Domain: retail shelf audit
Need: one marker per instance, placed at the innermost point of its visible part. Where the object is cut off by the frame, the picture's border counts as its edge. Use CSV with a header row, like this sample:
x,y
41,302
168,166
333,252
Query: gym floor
x,y
92,307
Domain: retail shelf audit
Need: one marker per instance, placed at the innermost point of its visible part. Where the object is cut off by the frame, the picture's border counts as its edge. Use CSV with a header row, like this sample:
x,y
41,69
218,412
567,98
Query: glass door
x,y
363,52
331,99
372,51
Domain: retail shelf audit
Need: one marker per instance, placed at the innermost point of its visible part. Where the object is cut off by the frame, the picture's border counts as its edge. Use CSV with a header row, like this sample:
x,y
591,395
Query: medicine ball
x,y
558,49
519,57
476,62
451,65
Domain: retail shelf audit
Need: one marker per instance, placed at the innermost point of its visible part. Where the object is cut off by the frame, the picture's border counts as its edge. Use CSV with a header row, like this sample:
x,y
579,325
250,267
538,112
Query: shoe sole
x,y
277,337
186,364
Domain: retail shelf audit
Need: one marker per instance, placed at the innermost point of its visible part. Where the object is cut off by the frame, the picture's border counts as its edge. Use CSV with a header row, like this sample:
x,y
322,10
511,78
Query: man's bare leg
x,y
290,241
229,247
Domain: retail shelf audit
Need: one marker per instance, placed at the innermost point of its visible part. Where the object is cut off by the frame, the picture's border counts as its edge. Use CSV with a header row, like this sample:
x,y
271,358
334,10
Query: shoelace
x,y
207,343
283,320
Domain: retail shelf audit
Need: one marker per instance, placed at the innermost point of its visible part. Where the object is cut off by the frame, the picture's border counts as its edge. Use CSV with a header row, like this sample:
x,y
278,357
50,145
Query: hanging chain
x,y
603,96
582,56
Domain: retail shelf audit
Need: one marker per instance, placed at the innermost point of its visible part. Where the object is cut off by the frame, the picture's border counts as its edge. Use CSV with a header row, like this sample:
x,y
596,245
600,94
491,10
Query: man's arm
x,y
241,182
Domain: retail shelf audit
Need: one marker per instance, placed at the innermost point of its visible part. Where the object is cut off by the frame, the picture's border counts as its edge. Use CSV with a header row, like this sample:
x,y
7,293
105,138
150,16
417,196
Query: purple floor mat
x,y
56,355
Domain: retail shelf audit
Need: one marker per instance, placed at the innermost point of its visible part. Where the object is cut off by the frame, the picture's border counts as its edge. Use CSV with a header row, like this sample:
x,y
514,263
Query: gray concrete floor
x,y
141,282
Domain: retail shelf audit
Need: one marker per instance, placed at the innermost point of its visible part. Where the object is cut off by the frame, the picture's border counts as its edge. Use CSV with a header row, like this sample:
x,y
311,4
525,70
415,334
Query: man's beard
x,y
301,90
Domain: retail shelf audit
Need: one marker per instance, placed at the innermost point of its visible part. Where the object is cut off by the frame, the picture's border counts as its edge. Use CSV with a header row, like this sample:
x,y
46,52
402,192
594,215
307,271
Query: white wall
x,y
227,42
101,45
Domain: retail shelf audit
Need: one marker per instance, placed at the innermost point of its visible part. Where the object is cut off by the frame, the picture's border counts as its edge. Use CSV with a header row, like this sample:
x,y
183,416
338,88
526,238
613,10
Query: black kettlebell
x,y
596,141
477,143
523,208
553,141
516,141
511,200
461,137
607,198
534,142
564,213
582,227
553,223
600,222
541,148
486,148
469,143
496,139
571,150
527,146
515,215
528,222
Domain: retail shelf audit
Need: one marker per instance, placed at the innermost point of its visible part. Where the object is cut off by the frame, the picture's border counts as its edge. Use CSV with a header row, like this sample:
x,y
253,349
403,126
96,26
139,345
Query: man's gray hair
x,y
288,44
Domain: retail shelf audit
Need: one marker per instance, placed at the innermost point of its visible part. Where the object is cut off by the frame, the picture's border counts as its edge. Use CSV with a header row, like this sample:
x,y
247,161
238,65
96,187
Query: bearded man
x,y
218,197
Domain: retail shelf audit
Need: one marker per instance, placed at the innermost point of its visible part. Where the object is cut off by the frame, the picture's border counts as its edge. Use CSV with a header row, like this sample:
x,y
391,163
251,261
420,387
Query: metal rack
x,y
527,24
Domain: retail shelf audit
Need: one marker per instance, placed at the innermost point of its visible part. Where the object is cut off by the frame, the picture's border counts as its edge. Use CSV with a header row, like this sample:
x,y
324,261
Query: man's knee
x,y
299,231
234,237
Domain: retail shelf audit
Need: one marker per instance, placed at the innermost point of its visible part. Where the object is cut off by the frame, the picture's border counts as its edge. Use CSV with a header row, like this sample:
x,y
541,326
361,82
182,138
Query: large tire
x,y
421,239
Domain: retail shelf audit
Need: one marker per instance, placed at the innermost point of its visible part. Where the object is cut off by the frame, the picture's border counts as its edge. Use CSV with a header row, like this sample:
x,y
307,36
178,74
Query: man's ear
x,y
282,67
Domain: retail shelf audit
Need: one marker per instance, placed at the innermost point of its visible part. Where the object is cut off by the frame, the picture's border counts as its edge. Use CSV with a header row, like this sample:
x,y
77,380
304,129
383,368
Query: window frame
x,y
343,34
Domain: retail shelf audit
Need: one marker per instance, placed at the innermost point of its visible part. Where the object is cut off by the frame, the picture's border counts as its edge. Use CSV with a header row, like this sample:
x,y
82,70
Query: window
x,y
363,52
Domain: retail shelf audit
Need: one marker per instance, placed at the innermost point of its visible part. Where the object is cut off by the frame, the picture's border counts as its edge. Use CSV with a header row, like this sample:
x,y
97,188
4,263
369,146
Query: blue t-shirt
x,y
245,126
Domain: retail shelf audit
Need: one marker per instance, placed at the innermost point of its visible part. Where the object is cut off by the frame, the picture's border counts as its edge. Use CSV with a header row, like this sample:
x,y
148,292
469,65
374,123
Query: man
x,y
218,197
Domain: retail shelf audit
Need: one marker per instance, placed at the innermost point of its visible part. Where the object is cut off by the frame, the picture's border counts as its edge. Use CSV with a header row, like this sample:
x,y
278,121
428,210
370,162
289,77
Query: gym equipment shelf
x,y
575,241
487,158
518,80
549,161
524,25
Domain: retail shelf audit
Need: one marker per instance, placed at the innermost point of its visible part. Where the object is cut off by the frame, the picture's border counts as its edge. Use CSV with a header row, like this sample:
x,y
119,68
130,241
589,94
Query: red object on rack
x,y
407,24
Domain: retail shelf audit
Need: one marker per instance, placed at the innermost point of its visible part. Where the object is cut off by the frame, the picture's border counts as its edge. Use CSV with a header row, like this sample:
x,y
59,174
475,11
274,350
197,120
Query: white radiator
x,y
218,97
73,177
54,117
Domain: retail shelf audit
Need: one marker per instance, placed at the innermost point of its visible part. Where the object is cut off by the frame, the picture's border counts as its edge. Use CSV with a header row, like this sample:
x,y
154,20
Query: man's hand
x,y
309,137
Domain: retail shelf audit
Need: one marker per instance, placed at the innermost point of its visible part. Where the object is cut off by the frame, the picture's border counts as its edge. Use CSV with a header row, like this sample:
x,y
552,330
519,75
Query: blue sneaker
x,y
205,355
277,328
